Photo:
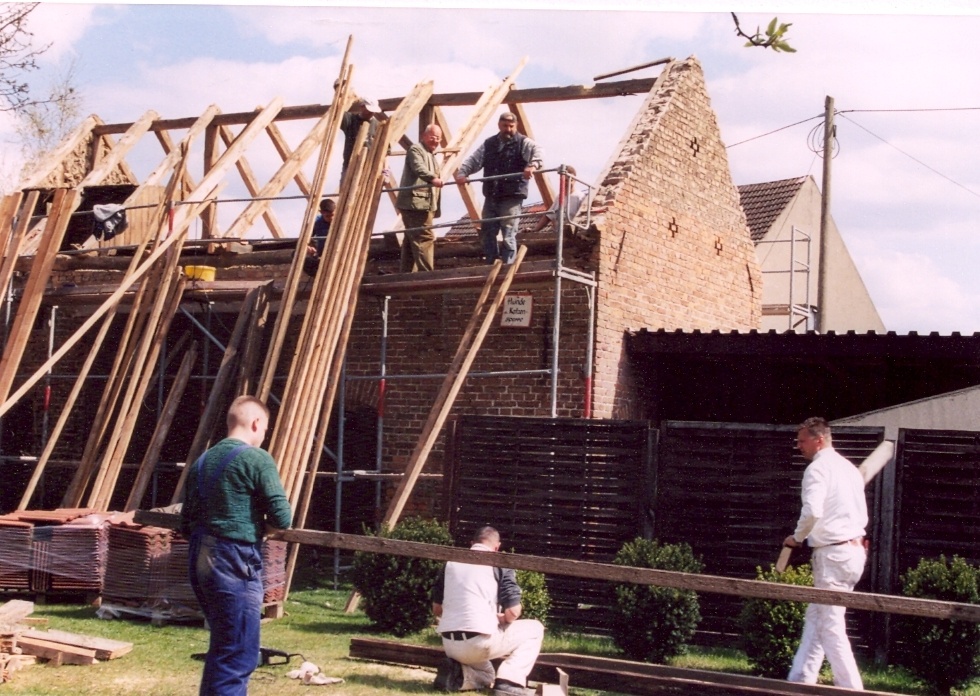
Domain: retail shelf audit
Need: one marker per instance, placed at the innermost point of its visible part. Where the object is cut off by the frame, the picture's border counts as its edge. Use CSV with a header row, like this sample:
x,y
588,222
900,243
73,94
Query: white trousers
x,y
518,643
824,631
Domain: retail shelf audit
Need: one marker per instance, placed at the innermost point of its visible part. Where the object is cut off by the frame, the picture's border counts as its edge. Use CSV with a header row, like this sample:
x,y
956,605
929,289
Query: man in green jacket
x,y
418,202
233,497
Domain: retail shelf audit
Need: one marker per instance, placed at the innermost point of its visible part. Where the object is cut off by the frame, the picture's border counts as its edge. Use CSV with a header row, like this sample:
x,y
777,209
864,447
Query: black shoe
x,y
449,676
502,687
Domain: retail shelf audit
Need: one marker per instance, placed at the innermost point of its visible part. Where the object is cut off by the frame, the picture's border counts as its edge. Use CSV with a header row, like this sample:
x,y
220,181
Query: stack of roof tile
x,y
78,555
273,571
15,553
135,563
176,591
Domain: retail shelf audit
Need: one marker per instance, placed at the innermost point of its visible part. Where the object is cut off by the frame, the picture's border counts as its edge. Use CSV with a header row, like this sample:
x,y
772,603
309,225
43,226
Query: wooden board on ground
x,y
105,648
57,653
606,674
15,611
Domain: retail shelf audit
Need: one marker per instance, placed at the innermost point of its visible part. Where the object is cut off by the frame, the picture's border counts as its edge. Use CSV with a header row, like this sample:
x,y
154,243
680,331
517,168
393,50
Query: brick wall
x,y
673,249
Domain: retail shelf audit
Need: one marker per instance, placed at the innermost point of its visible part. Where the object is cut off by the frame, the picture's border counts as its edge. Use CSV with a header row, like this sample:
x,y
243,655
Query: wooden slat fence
x,y
566,488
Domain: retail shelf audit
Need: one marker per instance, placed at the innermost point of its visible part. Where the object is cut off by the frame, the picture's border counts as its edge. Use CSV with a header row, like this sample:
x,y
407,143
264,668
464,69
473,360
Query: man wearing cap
x,y
508,160
418,202
362,111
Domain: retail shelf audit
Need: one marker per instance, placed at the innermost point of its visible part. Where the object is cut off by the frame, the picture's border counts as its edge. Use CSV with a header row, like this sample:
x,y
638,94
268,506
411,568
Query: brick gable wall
x,y
674,251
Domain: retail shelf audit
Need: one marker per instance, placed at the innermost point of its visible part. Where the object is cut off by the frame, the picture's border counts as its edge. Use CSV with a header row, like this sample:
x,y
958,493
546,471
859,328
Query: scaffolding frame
x,y
797,314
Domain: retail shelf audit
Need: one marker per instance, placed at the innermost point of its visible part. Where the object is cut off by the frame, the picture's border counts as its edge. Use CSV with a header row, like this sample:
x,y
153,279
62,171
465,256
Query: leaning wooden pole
x,y
443,405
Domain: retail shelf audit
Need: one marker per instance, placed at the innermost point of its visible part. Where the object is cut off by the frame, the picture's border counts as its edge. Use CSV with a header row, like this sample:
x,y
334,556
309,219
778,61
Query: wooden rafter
x,y
279,142
524,127
248,176
467,135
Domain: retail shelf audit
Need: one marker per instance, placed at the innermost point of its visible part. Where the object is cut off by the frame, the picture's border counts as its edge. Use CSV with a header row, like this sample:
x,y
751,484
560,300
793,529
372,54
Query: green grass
x,y
162,661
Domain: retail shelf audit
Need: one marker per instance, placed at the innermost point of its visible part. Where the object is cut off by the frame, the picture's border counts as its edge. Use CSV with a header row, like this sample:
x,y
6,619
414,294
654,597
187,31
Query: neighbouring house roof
x,y
764,202
464,229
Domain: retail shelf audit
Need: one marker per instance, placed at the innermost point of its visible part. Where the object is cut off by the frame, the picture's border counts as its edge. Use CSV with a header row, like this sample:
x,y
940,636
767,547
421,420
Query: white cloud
x,y
61,25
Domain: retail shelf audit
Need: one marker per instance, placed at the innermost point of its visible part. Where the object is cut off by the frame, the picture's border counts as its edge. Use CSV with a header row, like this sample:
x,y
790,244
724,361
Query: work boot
x,y
449,675
502,687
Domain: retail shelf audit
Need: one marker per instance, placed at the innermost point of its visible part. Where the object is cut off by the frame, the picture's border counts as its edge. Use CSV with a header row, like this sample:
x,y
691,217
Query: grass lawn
x,y
162,661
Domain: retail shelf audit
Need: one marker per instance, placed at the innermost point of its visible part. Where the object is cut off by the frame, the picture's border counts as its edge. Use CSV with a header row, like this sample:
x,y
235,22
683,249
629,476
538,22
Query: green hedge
x,y
771,629
653,623
943,653
396,591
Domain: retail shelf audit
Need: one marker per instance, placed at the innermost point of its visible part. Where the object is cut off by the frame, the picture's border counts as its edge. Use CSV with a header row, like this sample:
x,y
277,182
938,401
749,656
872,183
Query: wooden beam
x,y
279,143
865,601
248,176
172,154
606,674
606,90
524,127
65,203
105,648
46,167
145,473
119,151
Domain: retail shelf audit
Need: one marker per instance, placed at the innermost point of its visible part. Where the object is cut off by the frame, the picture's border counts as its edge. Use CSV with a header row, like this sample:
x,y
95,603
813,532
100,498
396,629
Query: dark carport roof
x,y
770,377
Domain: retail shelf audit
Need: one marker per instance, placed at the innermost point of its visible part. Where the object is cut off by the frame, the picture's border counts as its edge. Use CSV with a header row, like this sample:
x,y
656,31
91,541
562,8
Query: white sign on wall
x,y
517,310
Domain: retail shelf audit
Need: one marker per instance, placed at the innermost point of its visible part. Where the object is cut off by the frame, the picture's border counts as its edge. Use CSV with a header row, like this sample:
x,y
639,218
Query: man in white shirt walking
x,y
833,521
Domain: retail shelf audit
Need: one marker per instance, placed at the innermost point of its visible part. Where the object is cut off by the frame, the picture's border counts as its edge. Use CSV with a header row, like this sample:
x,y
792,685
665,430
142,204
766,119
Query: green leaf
x,y
772,26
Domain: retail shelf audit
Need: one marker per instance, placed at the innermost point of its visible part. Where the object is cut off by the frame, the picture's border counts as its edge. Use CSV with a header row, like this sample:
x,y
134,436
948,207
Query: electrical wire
x,y
756,137
911,157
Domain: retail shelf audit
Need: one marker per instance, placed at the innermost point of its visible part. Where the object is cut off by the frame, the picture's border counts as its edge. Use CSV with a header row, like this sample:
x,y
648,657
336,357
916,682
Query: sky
x,y
903,75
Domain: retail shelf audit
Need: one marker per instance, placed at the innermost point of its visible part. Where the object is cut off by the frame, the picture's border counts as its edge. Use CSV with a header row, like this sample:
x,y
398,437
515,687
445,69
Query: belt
x,y
460,635
857,541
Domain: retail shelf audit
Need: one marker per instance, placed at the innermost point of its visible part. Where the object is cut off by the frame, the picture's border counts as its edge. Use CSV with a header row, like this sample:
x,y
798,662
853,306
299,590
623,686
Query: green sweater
x,y
247,496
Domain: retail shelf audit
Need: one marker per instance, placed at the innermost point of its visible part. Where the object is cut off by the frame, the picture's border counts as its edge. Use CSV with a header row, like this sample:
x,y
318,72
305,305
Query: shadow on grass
x,y
379,681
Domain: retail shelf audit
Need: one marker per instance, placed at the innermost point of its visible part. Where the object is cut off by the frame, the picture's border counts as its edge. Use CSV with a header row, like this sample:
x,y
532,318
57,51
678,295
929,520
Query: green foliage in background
x,y
397,590
771,629
535,600
941,652
653,623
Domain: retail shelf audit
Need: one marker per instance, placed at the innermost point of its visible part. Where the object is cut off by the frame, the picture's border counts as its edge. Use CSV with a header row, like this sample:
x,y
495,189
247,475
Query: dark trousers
x,y
419,245
226,577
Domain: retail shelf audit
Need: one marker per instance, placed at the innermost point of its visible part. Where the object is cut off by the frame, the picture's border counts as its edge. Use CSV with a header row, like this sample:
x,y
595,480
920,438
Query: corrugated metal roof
x,y
764,202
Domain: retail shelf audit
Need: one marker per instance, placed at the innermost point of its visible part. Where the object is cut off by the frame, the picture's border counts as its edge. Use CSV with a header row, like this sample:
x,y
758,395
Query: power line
x,y
773,131
914,159
906,111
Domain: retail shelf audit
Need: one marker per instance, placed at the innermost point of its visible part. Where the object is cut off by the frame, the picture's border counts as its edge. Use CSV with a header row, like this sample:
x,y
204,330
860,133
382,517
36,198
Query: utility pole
x,y
828,152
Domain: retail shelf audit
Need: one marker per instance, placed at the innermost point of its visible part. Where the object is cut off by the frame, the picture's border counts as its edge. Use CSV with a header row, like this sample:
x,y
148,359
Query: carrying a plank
x,y
869,468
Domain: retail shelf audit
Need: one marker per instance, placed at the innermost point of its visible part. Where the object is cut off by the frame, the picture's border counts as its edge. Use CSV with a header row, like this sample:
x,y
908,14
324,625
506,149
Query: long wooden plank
x,y
603,90
929,608
65,203
281,325
15,231
445,400
608,674
145,473
139,382
217,397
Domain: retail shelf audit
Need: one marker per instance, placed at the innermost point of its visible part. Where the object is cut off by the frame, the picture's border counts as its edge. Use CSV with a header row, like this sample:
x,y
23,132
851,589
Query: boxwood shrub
x,y
771,629
396,591
653,623
942,652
